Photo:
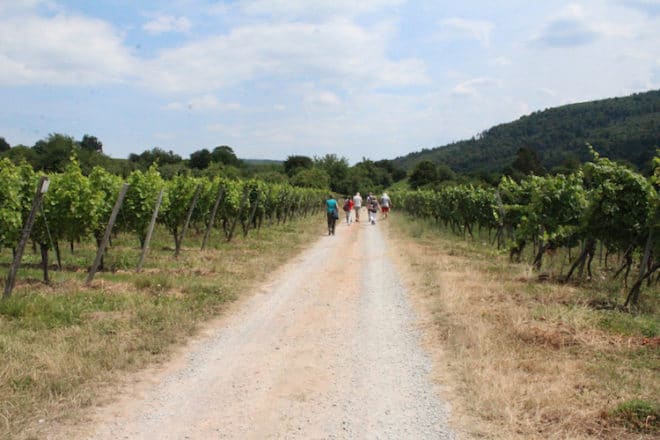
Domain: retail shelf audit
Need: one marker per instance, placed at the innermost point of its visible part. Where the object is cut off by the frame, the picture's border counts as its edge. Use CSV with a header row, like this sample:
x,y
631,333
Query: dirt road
x,y
327,350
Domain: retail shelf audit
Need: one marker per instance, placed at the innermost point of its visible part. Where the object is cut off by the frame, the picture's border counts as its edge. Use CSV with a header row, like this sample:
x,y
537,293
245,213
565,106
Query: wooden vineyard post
x,y
633,295
299,206
285,208
240,213
251,217
501,239
280,208
216,205
106,236
188,217
150,231
42,187
263,213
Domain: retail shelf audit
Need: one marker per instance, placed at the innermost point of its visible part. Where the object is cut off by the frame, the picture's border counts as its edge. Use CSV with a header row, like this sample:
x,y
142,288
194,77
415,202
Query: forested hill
x,y
626,128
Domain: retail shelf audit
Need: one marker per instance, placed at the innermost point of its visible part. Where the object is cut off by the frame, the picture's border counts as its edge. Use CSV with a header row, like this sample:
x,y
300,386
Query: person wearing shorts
x,y
385,204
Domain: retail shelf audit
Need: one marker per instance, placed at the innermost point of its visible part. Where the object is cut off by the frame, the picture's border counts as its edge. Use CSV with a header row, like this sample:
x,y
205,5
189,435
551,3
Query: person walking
x,y
357,204
373,208
348,207
385,204
332,213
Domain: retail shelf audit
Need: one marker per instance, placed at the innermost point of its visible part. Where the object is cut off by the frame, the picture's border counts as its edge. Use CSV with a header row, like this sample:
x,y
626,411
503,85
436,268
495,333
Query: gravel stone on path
x,y
328,349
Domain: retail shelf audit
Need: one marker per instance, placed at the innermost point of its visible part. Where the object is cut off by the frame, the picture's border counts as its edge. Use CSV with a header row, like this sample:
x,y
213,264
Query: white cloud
x,y
167,23
501,61
566,33
323,98
62,50
290,9
547,92
19,6
164,136
650,7
471,87
578,25
338,51
479,30
202,103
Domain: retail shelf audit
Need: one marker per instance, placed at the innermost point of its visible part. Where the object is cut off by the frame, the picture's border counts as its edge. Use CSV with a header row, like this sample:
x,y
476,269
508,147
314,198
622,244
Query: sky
x,y
360,79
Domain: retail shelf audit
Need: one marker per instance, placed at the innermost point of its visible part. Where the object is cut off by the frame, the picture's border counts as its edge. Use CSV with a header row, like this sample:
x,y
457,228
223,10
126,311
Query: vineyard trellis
x,y
604,205
78,207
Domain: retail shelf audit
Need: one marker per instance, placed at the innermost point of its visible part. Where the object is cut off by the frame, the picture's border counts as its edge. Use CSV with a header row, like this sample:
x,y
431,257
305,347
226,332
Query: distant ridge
x,y
625,128
262,161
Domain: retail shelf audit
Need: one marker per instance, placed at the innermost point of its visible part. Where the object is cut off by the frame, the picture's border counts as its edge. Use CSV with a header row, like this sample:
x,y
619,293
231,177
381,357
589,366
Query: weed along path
x,y
328,348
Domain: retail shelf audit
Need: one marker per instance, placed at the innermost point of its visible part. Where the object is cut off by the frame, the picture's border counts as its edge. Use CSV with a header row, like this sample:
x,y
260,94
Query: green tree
x,y
335,167
21,153
527,162
53,153
378,177
200,159
225,155
91,143
311,178
395,173
155,155
445,173
293,164
424,173
4,145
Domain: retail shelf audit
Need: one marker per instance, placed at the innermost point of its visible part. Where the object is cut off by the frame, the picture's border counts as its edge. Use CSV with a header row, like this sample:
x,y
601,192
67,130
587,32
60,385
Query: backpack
x,y
347,205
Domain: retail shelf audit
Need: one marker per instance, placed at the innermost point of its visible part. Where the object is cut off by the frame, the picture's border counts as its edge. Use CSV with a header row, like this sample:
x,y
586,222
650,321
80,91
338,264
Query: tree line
x,y
328,172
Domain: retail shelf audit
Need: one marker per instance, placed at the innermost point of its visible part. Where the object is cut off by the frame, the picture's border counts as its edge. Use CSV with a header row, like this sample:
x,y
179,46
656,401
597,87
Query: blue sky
x,y
273,78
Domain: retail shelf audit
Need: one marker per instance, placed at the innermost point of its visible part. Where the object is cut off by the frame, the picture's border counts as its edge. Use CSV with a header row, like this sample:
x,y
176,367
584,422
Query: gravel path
x,y
327,350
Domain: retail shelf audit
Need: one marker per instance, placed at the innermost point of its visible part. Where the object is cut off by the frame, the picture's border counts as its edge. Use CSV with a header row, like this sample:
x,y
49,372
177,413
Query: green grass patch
x,y
627,324
606,354
157,283
640,415
61,342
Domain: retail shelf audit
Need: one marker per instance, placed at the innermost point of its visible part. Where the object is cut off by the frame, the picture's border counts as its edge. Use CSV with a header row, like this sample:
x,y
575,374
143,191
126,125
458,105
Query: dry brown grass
x,y
520,359
64,346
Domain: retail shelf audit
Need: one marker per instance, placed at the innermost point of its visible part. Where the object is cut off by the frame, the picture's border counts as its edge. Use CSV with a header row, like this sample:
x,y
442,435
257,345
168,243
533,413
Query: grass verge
x,y
526,359
62,344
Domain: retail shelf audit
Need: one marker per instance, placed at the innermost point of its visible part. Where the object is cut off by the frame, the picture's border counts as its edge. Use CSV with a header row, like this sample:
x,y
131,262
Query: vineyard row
x,y
603,203
77,207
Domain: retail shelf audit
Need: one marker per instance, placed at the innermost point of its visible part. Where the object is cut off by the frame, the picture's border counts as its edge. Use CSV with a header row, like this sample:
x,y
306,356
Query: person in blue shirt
x,y
332,212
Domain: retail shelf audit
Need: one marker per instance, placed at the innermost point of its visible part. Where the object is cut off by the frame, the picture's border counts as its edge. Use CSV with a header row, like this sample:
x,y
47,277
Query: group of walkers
x,y
354,204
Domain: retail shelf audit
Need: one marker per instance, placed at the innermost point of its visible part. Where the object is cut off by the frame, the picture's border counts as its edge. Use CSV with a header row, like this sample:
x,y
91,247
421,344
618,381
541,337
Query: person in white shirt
x,y
357,204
